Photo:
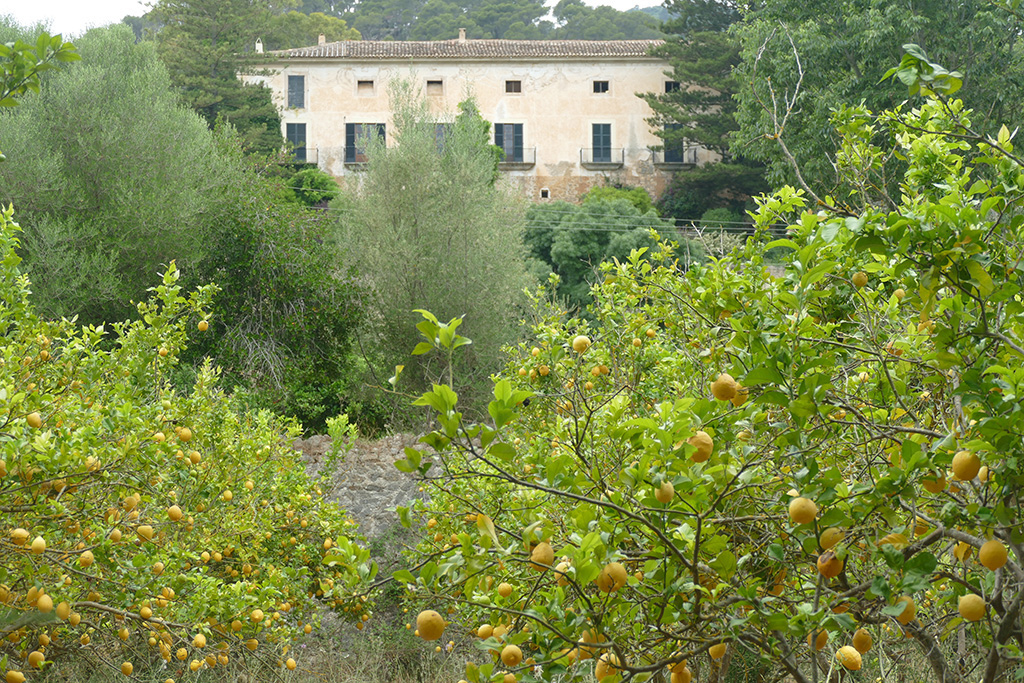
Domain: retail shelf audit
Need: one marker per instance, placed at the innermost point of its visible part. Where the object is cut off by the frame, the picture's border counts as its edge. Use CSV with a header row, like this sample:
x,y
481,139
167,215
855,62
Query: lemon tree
x,y
796,470
140,523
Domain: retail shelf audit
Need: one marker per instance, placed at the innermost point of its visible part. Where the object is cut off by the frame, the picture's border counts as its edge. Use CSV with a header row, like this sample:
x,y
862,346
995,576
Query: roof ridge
x,y
475,47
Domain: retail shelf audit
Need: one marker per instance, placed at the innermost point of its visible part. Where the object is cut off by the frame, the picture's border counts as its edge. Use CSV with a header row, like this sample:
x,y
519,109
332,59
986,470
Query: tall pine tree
x,y
205,45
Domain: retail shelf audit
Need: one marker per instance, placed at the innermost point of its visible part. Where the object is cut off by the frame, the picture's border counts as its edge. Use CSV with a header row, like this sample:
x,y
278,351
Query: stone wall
x,y
367,483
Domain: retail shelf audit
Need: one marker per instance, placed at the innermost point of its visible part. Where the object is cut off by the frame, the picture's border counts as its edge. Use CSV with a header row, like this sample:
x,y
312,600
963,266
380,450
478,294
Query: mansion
x,y
565,112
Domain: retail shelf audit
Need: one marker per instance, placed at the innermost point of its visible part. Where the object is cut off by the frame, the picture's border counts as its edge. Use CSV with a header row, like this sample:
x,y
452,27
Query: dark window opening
x,y
671,86
358,137
513,86
509,137
296,92
295,133
600,86
435,88
441,133
364,88
675,147
602,137
545,193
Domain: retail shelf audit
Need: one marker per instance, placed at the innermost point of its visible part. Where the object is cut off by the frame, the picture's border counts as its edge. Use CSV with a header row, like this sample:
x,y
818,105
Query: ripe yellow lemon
x,y
607,665
504,589
966,465
199,641
127,668
717,651
145,532
665,493
203,326
704,445
86,558
174,513
612,578
63,611
36,659
44,603
909,612
562,568
742,394
256,615
684,675
849,657
862,640
971,607
15,677
820,641
430,625
511,655
724,387
860,280
992,554
829,565
290,664
580,344
252,644
934,483
542,557
802,510
19,537
484,631
830,537
39,545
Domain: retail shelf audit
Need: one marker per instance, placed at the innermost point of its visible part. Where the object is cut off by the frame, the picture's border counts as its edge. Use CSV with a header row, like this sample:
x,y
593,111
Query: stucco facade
x,y
566,112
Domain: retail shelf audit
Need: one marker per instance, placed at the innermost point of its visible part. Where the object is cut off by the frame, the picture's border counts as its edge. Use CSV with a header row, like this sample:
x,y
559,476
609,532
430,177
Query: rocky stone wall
x,y
366,483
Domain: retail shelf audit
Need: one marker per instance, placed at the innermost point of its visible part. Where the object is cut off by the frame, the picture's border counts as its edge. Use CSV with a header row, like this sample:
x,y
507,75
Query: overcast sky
x,y
73,17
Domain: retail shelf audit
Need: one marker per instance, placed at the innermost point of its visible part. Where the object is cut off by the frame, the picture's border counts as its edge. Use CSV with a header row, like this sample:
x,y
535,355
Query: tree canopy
x,y
838,57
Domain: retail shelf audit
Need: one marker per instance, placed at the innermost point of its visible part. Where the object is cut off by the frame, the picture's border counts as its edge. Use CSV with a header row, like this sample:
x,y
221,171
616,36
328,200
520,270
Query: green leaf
x,y
403,575
422,348
764,374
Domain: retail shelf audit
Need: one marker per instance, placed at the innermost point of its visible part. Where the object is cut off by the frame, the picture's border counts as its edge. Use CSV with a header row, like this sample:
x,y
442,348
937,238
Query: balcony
x,y
675,158
525,159
356,156
602,158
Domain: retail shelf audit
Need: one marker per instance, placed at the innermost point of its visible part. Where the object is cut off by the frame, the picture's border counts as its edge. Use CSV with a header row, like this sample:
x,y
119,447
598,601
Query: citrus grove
x,y
140,524
804,473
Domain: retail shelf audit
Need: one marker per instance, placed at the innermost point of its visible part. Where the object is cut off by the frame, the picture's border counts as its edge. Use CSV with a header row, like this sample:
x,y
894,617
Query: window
x,y
435,88
671,86
513,86
296,92
675,148
364,88
600,87
357,139
509,136
545,193
441,133
295,133
602,136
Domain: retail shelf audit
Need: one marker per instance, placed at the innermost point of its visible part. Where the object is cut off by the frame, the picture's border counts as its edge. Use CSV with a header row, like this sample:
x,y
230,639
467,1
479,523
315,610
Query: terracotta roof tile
x,y
473,49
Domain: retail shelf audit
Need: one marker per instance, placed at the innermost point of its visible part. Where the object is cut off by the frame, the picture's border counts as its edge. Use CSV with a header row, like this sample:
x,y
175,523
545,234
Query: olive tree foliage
x,y
429,224
848,497
110,176
113,178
